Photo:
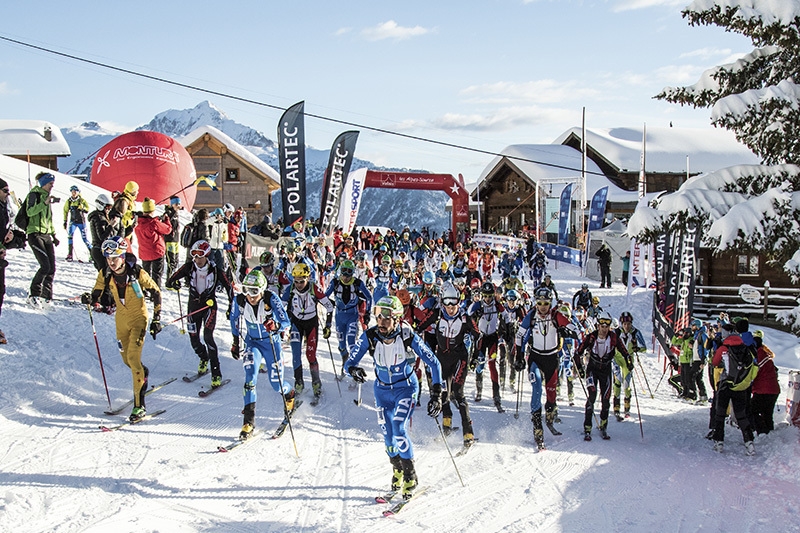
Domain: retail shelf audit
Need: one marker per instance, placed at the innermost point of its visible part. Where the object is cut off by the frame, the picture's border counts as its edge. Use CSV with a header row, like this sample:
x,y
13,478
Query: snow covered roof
x,y
232,146
20,137
568,166
667,148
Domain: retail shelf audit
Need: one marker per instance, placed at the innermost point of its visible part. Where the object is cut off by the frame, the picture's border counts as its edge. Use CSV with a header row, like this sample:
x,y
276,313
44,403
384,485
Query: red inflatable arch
x,y
158,163
428,182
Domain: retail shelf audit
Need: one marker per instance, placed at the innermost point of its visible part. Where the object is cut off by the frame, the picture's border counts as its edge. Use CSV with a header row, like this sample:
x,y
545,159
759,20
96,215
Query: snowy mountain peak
x,y
179,122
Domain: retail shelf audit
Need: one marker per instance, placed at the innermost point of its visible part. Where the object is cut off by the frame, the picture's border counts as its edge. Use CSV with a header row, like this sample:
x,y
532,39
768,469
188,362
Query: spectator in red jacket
x,y
150,232
766,388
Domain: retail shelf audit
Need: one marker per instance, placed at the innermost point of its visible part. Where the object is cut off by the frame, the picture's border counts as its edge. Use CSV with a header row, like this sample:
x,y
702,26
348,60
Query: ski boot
x,y
603,428
249,424
447,425
216,381
317,389
538,432
469,440
289,403
397,473
550,416
478,387
587,433
409,478
749,448
718,446
137,414
202,367
69,253
299,387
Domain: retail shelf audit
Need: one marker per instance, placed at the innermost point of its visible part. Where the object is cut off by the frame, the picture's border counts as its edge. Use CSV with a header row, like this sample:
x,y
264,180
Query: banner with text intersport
x,y
675,257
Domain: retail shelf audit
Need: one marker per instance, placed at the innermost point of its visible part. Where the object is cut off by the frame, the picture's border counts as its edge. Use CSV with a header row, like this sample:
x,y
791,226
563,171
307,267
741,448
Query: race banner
x,y
597,210
501,243
292,161
339,162
564,254
685,278
563,215
352,193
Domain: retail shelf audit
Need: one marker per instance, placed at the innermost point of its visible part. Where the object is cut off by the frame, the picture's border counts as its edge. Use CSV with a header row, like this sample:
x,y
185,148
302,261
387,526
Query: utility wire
x,y
279,108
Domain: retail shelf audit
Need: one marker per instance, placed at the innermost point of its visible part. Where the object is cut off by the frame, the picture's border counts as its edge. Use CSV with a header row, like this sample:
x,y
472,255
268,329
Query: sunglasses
x,y
251,291
6,191
450,301
300,280
604,322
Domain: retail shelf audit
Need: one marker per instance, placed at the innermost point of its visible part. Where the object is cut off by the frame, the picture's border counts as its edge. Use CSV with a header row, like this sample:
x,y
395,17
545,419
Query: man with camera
x,y
42,238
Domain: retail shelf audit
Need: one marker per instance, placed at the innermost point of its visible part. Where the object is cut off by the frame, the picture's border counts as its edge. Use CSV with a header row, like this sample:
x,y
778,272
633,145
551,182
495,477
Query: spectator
x,y
171,240
150,232
42,238
604,260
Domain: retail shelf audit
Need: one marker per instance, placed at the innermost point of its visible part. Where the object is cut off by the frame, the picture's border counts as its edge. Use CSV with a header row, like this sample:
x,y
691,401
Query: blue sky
x,y
484,73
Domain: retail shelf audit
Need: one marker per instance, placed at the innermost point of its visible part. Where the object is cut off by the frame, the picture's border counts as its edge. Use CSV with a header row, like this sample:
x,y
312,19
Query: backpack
x,y
742,369
21,220
187,235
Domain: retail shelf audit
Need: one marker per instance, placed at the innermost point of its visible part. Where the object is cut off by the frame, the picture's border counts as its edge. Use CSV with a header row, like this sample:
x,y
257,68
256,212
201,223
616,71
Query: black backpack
x,y
187,235
742,369
21,220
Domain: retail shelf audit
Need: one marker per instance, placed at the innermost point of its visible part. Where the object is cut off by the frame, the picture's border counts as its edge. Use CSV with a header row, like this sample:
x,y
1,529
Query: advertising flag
x,y
339,162
292,161
563,215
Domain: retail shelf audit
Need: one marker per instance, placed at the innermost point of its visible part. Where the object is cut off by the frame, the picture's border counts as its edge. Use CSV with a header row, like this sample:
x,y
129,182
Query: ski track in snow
x,y
60,473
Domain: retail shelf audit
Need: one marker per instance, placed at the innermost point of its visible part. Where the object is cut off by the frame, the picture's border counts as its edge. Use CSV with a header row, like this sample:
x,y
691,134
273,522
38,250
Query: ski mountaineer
x,y
542,330
394,346
510,318
486,314
75,209
263,323
102,229
128,283
348,292
203,276
301,298
634,342
601,346
267,267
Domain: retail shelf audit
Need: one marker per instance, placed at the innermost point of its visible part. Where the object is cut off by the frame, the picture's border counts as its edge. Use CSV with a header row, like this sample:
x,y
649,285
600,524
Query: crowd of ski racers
x,y
429,312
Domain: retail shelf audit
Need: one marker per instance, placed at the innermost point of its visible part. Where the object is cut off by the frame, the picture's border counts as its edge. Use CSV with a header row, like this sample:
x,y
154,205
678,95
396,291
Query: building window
x,y
231,174
747,265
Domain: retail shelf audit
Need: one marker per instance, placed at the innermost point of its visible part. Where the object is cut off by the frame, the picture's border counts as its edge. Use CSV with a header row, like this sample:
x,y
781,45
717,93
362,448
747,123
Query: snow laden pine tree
x,y
750,208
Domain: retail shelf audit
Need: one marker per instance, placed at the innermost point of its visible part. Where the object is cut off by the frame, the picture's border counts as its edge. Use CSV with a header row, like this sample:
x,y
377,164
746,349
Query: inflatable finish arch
x,y
428,182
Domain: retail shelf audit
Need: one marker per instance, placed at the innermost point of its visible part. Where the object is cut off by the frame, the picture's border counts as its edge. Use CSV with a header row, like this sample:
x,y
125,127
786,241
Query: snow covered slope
x,y
61,474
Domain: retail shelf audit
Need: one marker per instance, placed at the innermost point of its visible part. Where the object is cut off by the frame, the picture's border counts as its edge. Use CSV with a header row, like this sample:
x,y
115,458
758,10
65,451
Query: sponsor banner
x,y
684,291
597,210
564,254
352,193
563,215
501,243
339,162
292,161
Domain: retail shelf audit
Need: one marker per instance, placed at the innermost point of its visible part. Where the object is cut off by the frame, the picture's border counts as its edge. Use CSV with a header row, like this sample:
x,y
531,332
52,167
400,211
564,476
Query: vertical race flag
x,y
339,161
292,160
563,215
353,191
597,210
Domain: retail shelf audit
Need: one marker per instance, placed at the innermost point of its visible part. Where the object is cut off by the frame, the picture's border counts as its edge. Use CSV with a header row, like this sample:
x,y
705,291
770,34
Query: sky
x,y
482,74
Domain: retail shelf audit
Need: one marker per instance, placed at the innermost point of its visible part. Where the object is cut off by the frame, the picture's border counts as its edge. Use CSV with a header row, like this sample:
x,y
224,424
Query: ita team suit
x,y
396,384
261,343
346,299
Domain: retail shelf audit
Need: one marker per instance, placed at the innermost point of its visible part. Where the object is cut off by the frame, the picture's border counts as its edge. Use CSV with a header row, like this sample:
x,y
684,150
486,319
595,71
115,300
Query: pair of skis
x,y
278,433
208,392
127,404
399,506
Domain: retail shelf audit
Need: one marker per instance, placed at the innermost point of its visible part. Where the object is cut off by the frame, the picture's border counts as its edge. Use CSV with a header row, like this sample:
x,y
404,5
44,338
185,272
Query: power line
x,y
279,108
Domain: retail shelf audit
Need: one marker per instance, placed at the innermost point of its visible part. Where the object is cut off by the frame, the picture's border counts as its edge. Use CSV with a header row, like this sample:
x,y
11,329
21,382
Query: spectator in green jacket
x,y
684,342
42,238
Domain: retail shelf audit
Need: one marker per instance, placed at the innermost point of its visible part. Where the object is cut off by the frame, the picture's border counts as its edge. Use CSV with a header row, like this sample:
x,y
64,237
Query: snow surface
x,y
61,474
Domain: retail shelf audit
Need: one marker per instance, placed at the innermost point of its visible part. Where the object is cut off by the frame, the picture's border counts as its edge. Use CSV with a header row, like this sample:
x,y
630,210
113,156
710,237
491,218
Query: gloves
x,y
175,285
65,224
435,403
326,332
473,362
155,326
235,349
629,360
358,374
567,333
86,298
228,312
270,325
519,362
582,373
56,242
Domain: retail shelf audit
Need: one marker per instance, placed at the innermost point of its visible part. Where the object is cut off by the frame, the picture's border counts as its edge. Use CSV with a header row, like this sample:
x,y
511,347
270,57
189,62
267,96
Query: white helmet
x,y
228,207
102,201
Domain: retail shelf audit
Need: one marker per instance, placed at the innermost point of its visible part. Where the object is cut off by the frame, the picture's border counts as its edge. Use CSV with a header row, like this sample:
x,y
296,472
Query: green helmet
x,y
267,258
254,283
391,304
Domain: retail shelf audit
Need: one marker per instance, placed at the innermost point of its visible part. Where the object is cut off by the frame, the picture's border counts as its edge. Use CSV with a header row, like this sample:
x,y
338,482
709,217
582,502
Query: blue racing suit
x,y
396,383
346,298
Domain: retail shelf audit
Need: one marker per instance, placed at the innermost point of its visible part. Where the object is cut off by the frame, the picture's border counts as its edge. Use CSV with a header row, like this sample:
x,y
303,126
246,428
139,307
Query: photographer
x,y
42,238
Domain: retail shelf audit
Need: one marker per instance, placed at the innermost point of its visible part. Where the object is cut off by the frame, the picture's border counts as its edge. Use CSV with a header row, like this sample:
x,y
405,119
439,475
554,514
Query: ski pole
x,y
645,377
283,398
358,400
333,363
662,379
636,396
453,459
180,309
209,303
99,357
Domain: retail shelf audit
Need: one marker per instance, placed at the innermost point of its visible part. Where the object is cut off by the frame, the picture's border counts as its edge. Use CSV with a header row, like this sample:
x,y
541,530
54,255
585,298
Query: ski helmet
x,y
450,295
201,249
347,268
116,246
254,283
543,293
389,306
301,270
102,201
74,188
625,317
512,295
361,255
604,318
131,189
267,258
428,278
487,289
404,296
228,207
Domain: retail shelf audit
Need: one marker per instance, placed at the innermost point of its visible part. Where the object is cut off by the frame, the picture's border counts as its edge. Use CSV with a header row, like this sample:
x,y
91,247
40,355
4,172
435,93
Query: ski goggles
x,y
450,301
300,280
251,290
385,312
604,322
198,253
543,302
346,271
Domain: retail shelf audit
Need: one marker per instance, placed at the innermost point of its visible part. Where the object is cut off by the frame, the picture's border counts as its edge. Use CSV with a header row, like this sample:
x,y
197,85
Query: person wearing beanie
x,y
75,209
124,203
172,239
42,238
150,232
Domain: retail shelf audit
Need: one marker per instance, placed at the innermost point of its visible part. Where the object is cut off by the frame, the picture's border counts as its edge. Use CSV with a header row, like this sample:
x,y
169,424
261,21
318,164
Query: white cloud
x,y
707,53
502,119
342,31
391,30
629,5
536,91
5,88
678,74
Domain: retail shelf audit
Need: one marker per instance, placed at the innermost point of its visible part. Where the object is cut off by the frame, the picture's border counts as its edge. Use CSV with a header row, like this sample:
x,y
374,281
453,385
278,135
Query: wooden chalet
x,y
39,140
